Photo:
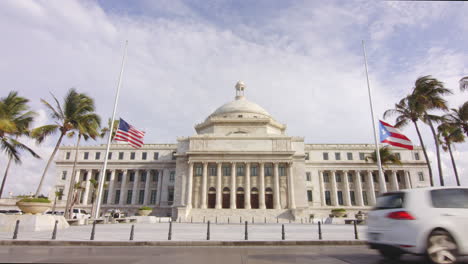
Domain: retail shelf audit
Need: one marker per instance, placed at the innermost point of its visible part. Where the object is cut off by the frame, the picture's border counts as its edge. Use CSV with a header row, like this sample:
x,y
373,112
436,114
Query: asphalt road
x,y
197,255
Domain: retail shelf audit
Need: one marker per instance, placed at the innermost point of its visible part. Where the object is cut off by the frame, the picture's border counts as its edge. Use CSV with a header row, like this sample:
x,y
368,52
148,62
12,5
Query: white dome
x,y
240,106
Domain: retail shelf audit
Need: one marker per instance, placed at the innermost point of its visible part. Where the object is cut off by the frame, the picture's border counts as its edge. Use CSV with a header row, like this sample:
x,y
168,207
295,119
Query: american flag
x,y
392,136
130,134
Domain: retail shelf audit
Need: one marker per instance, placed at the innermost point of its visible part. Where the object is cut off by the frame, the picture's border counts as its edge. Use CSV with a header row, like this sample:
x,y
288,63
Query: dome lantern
x,y
240,87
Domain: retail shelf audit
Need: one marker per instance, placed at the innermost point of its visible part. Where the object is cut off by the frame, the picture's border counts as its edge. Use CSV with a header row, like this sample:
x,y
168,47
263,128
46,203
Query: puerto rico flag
x,y
392,136
130,134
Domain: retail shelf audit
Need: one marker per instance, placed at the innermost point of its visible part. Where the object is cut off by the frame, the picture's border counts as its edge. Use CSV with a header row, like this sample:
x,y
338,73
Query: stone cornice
x,y
116,147
309,146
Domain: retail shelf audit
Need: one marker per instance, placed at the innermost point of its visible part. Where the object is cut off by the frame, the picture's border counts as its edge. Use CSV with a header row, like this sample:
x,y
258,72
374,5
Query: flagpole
x,y
97,206
382,185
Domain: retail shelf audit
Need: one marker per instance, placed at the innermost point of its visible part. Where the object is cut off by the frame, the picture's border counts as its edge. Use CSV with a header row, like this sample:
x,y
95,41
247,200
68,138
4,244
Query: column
x,y
291,192
394,181
359,199
407,180
322,188
110,196
247,186
86,192
159,187
233,186
334,194
261,178
135,187
219,191
276,191
347,195
189,185
147,187
370,190
204,185
123,187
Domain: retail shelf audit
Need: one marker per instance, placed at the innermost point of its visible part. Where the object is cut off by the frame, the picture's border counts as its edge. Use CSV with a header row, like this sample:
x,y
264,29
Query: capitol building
x,y
240,163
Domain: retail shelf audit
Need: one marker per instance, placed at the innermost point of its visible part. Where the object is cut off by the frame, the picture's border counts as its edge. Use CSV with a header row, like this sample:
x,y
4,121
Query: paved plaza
x,y
199,255
196,232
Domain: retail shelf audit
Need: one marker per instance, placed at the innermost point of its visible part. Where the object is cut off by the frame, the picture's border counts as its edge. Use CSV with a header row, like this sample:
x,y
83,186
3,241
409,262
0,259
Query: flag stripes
x,y
130,134
392,136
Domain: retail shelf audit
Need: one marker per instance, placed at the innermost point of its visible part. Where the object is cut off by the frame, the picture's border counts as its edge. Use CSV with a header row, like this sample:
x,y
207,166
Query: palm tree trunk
x,y
453,164
55,203
48,164
439,163
71,188
425,153
4,177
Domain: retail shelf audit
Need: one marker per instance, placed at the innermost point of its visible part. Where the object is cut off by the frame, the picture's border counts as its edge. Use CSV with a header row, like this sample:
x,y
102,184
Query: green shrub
x,y
35,200
145,208
338,210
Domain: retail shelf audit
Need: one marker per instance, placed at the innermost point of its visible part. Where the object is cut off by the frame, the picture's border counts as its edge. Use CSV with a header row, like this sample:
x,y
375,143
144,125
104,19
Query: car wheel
x,y
390,254
441,248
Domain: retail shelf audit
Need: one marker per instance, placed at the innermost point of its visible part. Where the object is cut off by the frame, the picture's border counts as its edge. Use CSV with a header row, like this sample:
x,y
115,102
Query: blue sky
x,y
301,60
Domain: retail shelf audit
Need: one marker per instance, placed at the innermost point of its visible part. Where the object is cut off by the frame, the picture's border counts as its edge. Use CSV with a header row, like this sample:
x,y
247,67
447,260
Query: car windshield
x,y
390,201
75,210
450,198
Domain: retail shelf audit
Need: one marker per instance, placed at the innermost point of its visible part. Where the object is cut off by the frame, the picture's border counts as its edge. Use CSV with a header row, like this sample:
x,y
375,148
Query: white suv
x,y
425,221
80,214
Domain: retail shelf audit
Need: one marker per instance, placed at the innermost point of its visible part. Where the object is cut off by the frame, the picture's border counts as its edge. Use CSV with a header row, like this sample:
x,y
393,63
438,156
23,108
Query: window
x,y
349,155
309,195
421,176
143,176
121,155
172,176
129,196
326,177
64,175
108,176
325,156
212,171
398,155
143,155
240,170
340,197
364,198
282,171
155,175
119,176
450,198
308,178
338,177
156,155
86,155
97,156
153,197
131,176
254,171
117,197
337,156
198,170
132,155
96,176
106,194
363,178
141,197
307,156
416,156
268,170
67,156
109,156
174,155
362,156
327,198
398,176
170,194
386,177
226,171
390,201
374,176
353,198
350,177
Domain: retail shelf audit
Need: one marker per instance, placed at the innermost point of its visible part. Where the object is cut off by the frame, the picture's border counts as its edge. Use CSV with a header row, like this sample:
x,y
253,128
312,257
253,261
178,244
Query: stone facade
x,y
240,164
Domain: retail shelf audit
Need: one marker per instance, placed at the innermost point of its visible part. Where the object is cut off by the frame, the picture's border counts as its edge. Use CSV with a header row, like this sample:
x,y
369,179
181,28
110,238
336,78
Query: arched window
x,y
254,190
240,190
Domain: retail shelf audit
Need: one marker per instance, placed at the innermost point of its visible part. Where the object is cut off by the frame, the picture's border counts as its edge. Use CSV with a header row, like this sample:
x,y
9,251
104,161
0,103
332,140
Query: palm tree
x,y
105,130
87,128
428,92
406,111
459,117
464,83
449,134
15,119
386,157
77,188
58,194
68,116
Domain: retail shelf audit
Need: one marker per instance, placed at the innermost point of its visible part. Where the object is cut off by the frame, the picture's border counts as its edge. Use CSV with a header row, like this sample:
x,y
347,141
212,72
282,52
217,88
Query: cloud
x,y
301,61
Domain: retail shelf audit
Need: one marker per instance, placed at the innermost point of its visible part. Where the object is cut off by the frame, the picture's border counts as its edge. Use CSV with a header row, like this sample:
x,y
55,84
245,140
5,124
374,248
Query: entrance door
x,y
240,201
254,204
211,200
269,198
226,198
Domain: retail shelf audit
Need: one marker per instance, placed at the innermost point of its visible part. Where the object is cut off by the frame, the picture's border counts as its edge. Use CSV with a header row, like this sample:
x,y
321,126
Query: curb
x,y
182,243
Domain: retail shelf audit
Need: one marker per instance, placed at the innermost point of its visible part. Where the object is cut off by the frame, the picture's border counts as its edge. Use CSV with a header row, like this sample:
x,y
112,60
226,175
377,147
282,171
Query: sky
x,y
300,60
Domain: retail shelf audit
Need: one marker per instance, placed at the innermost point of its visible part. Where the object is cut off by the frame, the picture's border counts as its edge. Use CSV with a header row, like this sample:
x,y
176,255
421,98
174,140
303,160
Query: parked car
x,y
14,212
55,213
426,221
80,214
